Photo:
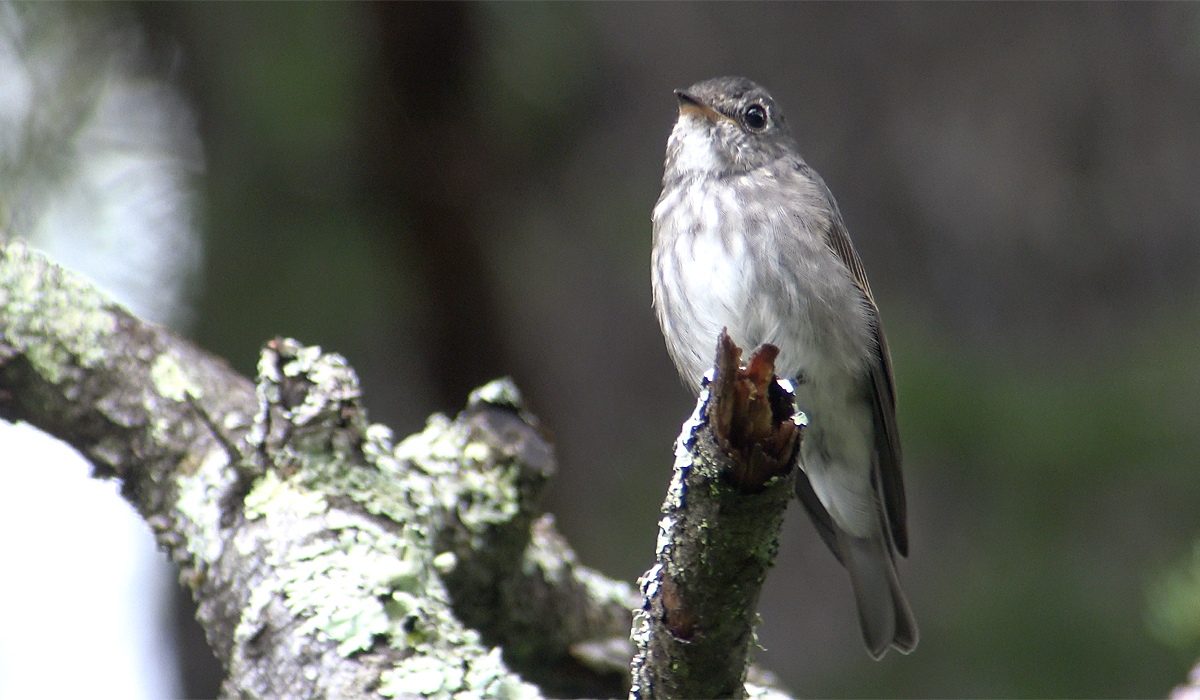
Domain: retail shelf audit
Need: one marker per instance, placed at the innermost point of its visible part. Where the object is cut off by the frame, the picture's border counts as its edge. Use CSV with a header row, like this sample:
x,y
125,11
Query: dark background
x,y
446,193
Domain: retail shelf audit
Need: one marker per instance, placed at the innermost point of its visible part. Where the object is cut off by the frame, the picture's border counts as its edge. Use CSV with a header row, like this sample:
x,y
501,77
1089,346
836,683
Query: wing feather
x,y
889,477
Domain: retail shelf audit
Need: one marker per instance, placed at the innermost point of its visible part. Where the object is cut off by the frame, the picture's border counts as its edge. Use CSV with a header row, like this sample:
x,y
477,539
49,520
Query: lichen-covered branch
x,y
719,532
325,561
510,576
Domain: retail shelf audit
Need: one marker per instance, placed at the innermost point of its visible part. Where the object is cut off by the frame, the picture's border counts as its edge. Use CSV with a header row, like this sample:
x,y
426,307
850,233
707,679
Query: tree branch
x,y
313,547
734,474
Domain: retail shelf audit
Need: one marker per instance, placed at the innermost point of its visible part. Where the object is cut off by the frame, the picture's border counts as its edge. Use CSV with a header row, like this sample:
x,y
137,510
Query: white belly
x,y
706,279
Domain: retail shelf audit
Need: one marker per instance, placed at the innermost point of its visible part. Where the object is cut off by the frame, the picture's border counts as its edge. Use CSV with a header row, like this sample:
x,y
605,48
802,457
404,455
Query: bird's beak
x,y
692,106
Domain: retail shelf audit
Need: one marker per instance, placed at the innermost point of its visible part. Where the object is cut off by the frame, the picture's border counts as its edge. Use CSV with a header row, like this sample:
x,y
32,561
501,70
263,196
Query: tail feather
x,y
883,612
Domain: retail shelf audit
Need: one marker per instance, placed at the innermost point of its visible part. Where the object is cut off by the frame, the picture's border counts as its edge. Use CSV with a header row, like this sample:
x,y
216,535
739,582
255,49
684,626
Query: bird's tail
x,y
883,612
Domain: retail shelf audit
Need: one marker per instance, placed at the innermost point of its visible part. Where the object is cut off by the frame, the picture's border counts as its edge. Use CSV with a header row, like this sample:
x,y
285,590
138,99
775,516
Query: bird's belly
x,y
758,273
714,290
718,288
766,282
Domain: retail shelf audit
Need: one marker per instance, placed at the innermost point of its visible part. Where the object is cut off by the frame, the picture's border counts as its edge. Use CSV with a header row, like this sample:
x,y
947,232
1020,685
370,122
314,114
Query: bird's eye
x,y
755,116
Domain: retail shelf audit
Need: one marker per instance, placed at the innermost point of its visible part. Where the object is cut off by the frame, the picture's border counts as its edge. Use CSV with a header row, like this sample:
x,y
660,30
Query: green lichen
x,y
377,448
171,380
351,580
350,591
498,392
55,318
270,494
200,508
440,677
445,563
472,478
362,582
377,487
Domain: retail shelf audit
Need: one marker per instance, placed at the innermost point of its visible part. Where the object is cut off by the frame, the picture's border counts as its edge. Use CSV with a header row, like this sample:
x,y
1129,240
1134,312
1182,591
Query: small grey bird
x,y
747,237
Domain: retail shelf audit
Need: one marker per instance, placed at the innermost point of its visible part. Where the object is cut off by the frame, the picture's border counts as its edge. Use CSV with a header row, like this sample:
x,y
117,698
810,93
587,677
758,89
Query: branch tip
x,y
752,413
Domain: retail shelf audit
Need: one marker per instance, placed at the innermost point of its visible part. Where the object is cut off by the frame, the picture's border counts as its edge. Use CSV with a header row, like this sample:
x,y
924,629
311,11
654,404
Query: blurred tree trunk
x,y
437,167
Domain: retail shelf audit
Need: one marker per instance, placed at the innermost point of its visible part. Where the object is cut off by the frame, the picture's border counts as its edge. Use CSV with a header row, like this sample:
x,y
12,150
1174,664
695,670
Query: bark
x,y
734,474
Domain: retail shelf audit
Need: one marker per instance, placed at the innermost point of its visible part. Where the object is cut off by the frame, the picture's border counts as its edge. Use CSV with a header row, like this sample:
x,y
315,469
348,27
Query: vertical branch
x,y
718,534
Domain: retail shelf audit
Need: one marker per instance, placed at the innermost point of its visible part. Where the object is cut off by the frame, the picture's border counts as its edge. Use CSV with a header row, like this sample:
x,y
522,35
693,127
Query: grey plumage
x,y
748,237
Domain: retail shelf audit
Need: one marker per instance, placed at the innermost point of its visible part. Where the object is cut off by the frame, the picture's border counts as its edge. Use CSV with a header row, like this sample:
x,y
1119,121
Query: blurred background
x,y
447,193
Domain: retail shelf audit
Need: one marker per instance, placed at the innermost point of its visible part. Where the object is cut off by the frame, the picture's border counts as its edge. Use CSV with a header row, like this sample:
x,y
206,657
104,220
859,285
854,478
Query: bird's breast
x,y
728,255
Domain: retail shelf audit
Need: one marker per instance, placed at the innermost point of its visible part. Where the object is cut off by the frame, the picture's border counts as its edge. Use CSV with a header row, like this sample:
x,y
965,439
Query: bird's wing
x,y
883,386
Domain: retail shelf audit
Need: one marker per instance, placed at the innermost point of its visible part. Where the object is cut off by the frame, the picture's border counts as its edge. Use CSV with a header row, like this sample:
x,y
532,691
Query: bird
x,y
748,238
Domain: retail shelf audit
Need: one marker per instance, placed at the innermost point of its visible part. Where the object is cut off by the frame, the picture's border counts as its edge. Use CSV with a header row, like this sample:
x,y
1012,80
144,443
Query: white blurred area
x,y
98,157
85,594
